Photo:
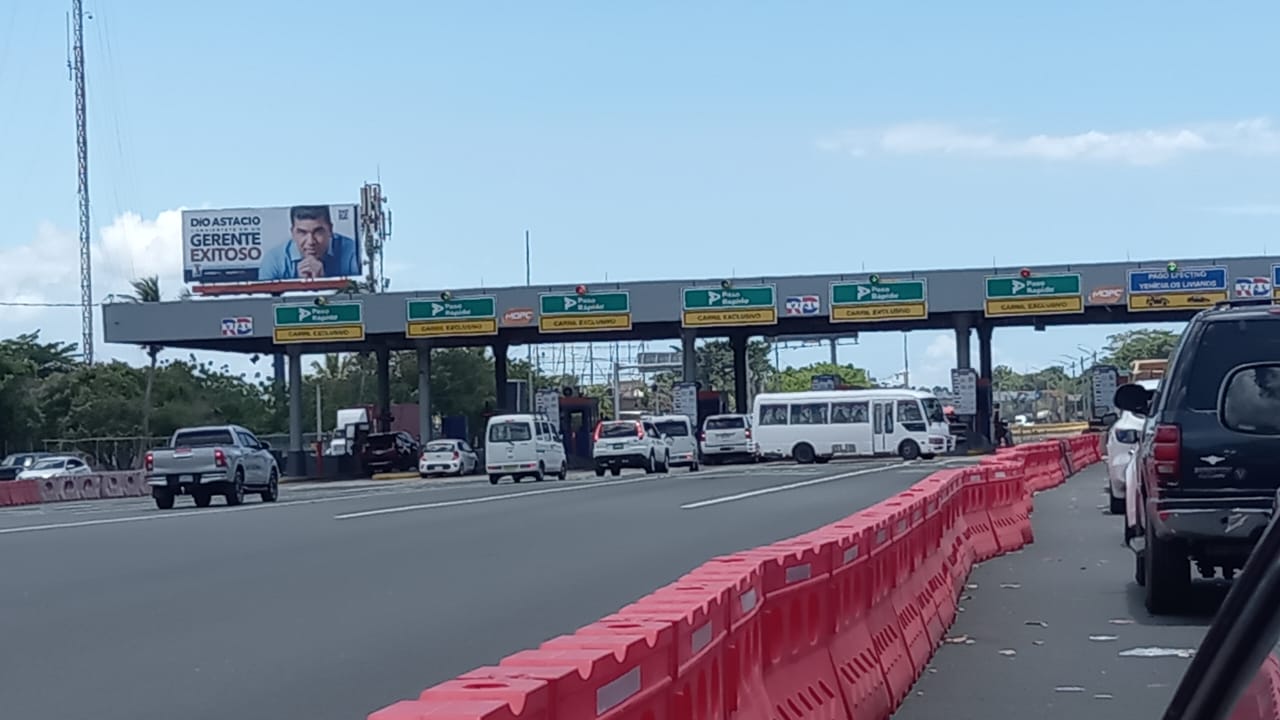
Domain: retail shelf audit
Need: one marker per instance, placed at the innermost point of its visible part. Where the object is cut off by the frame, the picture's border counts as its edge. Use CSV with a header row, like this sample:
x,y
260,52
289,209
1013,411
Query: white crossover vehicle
x,y
447,457
1122,441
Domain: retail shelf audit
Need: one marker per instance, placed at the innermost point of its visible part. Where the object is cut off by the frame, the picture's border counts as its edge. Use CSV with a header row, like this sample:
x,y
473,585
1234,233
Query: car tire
x,y
803,453
493,479
666,462
650,465
235,493
1140,568
164,499
599,472
1117,504
272,493
909,450
202,499
1168,575
615,472
694,467
564,471
541,474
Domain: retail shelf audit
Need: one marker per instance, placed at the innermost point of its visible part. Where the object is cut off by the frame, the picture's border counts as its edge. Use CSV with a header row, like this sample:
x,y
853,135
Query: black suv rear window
x,y
1225,345
618,429
724,423
382,441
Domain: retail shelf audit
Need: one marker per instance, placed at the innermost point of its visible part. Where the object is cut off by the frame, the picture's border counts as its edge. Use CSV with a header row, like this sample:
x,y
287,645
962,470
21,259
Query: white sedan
x,y
1122,442
55,467
447,457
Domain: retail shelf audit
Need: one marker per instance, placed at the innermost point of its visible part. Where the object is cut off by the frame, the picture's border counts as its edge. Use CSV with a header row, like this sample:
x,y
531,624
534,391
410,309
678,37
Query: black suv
x,y
1208,461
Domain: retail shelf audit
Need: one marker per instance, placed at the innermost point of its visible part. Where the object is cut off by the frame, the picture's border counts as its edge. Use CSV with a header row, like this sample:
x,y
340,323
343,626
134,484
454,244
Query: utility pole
x,y
75,64
528,282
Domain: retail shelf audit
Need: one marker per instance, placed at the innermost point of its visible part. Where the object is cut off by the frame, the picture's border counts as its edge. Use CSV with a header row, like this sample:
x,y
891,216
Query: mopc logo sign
x,y
1111,295
516,317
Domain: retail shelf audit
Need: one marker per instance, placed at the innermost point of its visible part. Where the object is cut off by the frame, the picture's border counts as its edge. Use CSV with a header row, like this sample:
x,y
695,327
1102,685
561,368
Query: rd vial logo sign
x,y
797,305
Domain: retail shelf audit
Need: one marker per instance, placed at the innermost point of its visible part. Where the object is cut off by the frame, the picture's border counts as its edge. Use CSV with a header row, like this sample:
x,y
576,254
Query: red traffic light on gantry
x,y
1025,272
581,290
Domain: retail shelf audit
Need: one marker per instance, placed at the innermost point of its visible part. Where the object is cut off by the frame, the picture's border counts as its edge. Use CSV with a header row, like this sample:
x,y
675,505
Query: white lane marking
x,y
789,486
495,498
166,514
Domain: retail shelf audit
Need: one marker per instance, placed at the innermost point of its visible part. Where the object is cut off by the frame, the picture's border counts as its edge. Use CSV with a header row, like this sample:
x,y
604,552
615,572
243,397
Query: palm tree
x,y
147,290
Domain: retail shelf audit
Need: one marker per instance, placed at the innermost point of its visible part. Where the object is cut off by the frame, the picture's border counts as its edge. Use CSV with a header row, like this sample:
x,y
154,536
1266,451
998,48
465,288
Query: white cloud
x,y
45,291
1134,147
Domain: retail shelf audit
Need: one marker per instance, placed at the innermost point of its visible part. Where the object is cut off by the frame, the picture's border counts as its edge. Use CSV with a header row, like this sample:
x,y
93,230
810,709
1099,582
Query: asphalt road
x,y
339,600
1068,609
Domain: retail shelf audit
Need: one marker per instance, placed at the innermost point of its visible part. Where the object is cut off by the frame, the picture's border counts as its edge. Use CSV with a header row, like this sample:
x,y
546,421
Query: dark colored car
x,y
1208,458
17,462
390,451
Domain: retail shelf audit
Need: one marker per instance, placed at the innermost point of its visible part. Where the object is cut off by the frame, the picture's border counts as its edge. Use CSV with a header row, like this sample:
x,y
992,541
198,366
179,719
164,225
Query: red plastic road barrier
x,y
19,492
835,624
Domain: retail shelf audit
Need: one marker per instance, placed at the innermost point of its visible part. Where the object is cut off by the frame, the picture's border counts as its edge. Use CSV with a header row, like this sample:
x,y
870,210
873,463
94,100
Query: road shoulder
x,y
1043,630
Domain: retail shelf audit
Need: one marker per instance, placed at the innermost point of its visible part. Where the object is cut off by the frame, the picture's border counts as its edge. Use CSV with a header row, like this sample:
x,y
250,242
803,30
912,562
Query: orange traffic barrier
x,y
835,624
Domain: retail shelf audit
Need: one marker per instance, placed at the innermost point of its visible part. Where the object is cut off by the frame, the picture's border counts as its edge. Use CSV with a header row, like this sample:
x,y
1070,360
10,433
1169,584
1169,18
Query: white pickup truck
x,y
225,460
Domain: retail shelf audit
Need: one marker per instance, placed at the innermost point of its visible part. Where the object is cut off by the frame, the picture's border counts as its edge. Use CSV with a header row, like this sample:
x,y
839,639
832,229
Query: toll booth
x,y
578,418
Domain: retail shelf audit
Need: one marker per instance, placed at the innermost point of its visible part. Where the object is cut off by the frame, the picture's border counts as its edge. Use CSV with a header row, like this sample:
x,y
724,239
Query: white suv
x,y
728,437
632,444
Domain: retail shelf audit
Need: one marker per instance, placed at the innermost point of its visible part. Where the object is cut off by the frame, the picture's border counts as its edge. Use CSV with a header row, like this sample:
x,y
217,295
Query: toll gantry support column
x,y
424,390
500,377
963,335
296,460
688,355
383,357
738,344
984,381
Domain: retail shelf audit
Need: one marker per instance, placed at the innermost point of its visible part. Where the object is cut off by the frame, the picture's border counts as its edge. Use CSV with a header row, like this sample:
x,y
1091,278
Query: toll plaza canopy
x,y
771,306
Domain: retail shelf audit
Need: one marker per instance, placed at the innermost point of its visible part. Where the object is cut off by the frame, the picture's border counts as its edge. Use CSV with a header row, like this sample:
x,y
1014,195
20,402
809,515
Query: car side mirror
x,y
266,445
1134,398
1110,419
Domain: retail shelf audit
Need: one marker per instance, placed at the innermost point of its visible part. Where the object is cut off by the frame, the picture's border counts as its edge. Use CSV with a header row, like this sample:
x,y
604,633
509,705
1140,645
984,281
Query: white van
x,y
817,426
523,446
681,440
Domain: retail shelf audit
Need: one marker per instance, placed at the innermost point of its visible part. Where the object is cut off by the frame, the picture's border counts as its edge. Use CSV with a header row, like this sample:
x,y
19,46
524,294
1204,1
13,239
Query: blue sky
x,y
651,140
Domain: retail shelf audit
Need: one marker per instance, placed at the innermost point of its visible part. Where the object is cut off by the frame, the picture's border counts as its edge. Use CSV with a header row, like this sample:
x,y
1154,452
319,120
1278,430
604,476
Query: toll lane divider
x,y
834,624
73,487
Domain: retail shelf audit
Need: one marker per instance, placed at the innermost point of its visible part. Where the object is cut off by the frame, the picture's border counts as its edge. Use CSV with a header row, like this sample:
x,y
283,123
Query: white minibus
x,y
817,426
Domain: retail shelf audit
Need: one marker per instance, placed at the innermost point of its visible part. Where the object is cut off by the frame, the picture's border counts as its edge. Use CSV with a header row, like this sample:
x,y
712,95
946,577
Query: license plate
x,y
725,449
186,478
619,446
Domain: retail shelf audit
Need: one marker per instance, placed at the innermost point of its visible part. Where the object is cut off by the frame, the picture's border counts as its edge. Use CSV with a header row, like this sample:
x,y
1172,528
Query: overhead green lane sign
x,y
727,307
308,322
588,312
455,317
879,301
1015,295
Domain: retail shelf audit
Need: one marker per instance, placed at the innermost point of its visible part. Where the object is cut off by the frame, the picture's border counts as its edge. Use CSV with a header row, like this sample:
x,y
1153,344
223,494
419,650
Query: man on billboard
x,y
313,249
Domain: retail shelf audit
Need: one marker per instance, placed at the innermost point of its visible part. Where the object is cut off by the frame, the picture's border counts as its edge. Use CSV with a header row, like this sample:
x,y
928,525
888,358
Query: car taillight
x,y
1165,450
456,455
151,462
595,436
219,458
639,431
748,431
702,435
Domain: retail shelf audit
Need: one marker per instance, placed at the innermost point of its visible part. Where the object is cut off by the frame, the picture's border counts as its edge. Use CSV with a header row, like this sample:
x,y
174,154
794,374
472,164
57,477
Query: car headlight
x,y
1128,437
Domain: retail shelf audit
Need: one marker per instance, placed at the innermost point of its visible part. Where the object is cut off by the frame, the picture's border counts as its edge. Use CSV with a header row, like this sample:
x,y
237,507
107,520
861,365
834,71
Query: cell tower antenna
x,y
375,221
76,62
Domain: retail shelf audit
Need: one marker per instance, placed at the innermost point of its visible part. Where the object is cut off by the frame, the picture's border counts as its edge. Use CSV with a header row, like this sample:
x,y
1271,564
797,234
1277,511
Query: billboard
x,y
277,244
